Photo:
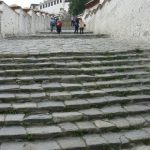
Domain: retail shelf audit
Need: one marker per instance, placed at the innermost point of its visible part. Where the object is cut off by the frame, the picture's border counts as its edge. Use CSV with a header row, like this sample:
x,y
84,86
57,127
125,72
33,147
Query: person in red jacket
x,y
58,26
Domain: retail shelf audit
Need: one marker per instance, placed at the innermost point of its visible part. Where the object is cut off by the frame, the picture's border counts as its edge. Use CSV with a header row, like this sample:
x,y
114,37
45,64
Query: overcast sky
x,y
23,3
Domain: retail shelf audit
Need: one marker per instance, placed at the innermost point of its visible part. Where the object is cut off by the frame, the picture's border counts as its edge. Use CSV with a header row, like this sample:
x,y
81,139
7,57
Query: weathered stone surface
x,y
66,116
47,145
14,118
101,124
71,143
87,125
137,135
24,105
67,127
94,140
12,132
44,130
120,123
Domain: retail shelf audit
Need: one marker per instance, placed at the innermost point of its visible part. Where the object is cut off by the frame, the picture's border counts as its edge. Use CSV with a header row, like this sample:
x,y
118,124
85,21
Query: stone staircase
x,y
75,101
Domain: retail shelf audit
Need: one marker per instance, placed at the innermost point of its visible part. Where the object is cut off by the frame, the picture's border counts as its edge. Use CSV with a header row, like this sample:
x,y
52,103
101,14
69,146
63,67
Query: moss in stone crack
x,y
138,50
29,137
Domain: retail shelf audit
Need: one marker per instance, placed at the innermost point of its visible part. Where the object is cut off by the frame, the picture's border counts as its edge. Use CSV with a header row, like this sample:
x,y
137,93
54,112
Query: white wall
x,y
20,22
129,19
55,9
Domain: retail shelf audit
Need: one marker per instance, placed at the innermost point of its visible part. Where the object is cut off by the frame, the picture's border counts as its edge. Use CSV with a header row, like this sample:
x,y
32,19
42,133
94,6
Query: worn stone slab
x,y
60,96
12,132
16,118
86,125
113,110
38,118
50,105
71,143
120,123
135,120
47,145
68,127
43,130
93,112
136,135
21,106
76,103
102,124
66,116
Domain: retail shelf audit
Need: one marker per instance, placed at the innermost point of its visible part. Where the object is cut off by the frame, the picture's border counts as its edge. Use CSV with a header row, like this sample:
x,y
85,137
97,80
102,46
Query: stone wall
x,y
18,21
127,19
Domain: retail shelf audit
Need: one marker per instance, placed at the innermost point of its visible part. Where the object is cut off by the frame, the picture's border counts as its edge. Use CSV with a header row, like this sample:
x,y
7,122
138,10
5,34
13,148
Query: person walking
x,y
58,26
81,26
52,23
76,25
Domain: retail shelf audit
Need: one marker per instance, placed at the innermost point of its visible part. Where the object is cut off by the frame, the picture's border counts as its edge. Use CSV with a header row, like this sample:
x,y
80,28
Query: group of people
x,y
77,23
55,23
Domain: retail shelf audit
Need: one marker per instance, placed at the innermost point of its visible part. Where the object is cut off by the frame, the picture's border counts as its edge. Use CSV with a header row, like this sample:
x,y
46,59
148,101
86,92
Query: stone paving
x,y
74,94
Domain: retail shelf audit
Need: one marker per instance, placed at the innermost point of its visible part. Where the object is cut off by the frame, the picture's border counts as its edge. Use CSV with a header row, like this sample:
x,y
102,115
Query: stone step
x,y
73,71
51,118
56,86
73,78
116,140
67,95
75,58
75,64
132,112
75,53
139,147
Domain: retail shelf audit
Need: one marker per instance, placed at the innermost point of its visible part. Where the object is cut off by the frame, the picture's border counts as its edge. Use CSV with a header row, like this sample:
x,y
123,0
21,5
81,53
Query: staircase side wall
x,y
127,19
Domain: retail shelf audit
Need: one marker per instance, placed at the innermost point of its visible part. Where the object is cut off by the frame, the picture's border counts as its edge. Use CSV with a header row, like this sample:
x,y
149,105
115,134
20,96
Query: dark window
x,y
48,4
43,6
60,1
57,1
51,3
40,6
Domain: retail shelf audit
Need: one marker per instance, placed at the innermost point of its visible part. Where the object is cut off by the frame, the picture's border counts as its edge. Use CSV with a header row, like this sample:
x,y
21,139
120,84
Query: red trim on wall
x,y
91,3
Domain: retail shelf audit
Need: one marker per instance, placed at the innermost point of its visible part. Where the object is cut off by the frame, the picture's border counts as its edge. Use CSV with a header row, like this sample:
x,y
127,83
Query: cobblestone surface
x,y
67,45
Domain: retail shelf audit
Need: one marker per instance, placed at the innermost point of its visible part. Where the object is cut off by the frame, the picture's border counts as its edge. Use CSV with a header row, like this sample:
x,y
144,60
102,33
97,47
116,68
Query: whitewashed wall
x,y
129,19
20,22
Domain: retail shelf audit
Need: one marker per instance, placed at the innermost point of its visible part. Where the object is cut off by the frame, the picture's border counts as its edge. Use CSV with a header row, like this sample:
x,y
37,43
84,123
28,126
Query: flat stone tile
x,y
76,103
94,140
101,124
66,116
115,138
5,106
43,130
68,126
60,96
51,104
38,118
113,110
12,131
93,112
97,100
24,105
47,145
120,123
135,108
86,125
137,135
71,142
14,118
135,120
